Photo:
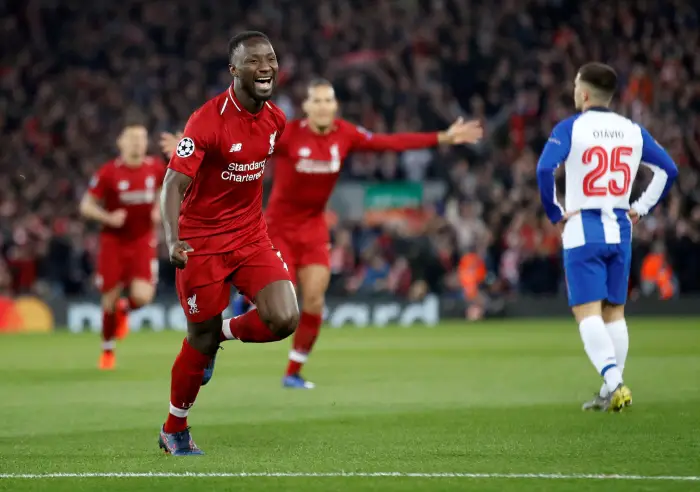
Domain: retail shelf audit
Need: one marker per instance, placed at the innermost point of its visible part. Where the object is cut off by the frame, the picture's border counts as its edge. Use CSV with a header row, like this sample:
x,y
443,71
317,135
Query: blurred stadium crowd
x,y
70,70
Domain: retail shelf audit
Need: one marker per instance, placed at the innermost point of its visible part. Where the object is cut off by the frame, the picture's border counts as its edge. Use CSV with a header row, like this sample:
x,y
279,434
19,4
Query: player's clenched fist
x,y
178,253
116,218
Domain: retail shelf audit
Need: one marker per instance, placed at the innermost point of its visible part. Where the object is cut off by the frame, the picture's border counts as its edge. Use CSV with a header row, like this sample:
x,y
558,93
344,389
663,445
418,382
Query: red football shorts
x,y
119,264
204,285
300,250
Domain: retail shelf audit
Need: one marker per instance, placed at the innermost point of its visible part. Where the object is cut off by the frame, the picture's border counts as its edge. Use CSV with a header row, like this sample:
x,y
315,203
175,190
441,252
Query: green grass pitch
x,y
498,399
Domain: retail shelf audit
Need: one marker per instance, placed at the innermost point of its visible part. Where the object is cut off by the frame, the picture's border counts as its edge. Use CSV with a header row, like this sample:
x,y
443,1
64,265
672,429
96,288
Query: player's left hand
x,y
462,132
169,141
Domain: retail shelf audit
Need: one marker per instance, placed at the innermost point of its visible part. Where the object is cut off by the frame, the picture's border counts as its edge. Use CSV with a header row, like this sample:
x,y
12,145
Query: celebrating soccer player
x,y
308,160
122,197
211,205
307,166
601,152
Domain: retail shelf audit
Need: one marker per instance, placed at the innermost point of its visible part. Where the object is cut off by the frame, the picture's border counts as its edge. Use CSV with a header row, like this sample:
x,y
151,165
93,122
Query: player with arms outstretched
x,y
601,152
122,196
211,205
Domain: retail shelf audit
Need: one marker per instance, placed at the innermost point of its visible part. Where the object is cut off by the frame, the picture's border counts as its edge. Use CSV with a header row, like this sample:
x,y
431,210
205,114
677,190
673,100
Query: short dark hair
x,y
133,117
600,76
319,82
241,38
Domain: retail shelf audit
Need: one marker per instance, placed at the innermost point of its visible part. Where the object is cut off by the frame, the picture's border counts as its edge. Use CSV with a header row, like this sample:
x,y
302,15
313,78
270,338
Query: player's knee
x,y
139,299
203,339
206,343
314,303
283,321
141,293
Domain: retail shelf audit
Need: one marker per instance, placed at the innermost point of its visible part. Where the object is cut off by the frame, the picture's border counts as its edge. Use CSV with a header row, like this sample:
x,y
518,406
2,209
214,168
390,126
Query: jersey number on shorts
x,y
611,162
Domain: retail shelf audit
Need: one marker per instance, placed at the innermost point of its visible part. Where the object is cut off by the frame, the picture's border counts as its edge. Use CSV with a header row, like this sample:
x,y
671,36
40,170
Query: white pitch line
x,y
536,476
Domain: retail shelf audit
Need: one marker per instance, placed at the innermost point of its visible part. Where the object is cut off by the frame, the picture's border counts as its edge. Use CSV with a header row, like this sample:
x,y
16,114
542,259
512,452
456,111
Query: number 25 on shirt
x,y
605,162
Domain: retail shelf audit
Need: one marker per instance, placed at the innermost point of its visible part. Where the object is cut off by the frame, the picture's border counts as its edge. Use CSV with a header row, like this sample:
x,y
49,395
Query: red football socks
x,y
185,382
248,328
304,340
109,329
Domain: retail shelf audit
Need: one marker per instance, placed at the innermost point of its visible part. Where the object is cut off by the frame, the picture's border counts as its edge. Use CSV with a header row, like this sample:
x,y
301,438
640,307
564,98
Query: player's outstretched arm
x,y
171,196
655,157
460,132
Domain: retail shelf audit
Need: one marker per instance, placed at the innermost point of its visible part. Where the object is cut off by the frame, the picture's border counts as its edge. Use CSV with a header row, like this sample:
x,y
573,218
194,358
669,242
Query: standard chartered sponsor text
x,y
231,173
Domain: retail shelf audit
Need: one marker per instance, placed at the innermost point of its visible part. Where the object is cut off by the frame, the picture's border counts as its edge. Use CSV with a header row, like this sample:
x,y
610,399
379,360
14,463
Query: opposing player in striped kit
x,y
601,152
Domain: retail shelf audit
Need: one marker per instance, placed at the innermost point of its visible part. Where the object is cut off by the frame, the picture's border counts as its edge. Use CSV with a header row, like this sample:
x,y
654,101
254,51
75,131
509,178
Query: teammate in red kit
x,y
308,162
122,196
211,205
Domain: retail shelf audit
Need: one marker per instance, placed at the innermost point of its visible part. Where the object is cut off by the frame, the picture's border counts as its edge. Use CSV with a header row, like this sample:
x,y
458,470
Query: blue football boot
x,y
178,443
297,382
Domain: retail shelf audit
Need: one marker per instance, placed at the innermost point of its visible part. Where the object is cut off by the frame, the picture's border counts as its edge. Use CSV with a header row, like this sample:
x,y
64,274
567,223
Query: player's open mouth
x,y
264,83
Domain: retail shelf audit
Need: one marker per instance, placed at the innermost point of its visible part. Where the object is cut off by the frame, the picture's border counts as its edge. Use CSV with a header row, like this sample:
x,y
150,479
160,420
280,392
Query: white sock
x,y
620,338
297,356
226,329
600,349
179,412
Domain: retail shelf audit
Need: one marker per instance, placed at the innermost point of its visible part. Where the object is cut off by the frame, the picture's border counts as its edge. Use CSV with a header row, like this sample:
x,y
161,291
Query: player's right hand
x,y
178,253
634,216
169,141
116,218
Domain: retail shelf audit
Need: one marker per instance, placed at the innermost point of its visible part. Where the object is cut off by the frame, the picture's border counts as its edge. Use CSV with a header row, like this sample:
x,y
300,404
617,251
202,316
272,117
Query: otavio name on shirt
x,y
234,168
608,134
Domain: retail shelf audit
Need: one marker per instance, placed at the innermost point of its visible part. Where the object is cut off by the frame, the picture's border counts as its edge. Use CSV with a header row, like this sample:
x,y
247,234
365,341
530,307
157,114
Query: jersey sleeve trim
x,y
177,167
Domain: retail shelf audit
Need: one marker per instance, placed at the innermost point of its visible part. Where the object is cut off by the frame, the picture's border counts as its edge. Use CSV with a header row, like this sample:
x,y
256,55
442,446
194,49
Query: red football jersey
x,y
224,149
134,189
307,166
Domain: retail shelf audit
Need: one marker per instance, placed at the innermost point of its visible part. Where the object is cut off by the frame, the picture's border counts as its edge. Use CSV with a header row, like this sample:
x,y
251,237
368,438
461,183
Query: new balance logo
x,y
236,147
192,303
